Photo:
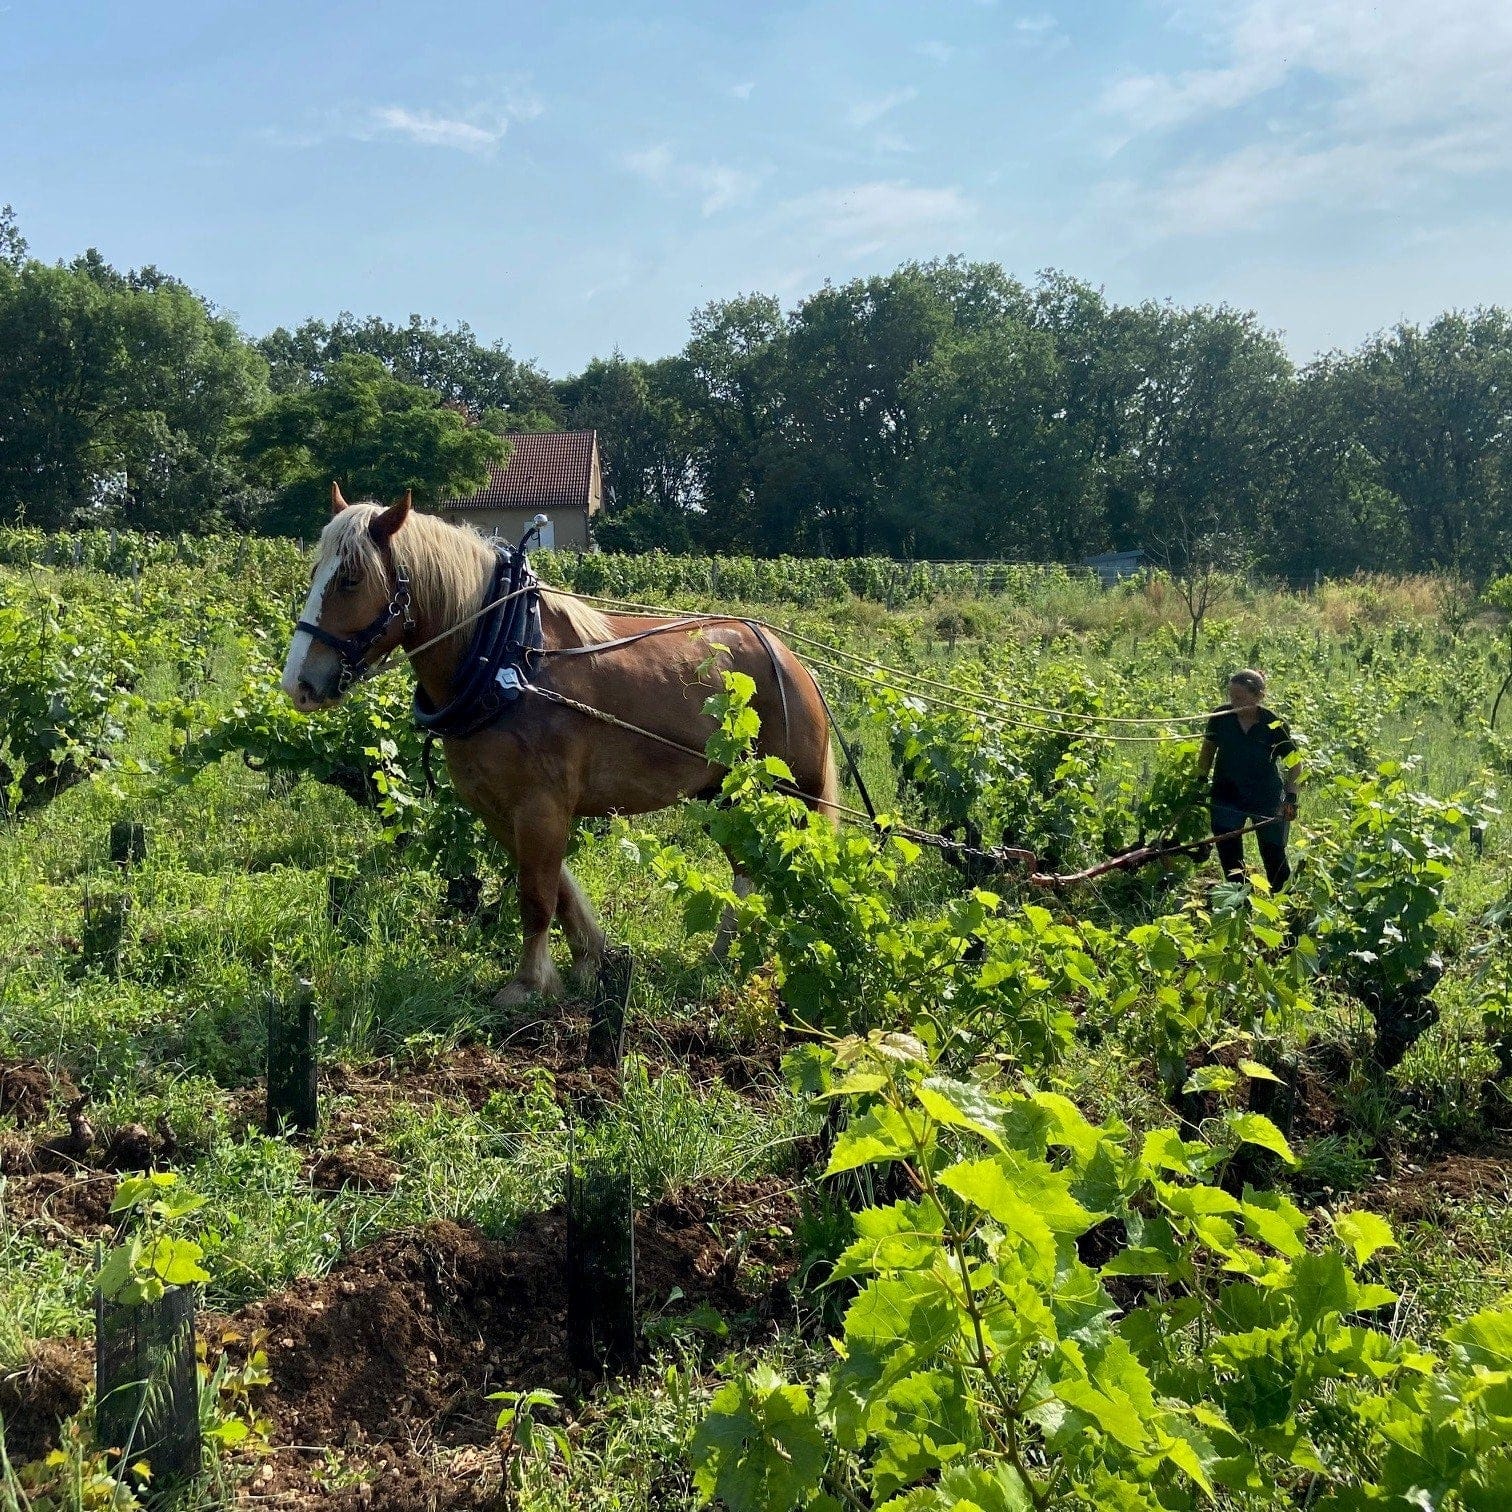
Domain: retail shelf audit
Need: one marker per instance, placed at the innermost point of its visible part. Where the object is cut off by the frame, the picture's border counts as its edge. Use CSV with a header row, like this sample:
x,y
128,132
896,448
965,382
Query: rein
x,y
491,679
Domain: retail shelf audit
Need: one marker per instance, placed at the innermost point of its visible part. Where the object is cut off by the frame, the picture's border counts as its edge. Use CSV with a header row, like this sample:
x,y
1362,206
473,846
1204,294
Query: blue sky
x,y
571,179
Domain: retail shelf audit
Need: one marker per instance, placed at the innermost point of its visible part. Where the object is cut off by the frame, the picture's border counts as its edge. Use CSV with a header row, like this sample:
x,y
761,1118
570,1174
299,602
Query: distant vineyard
x,y
656,575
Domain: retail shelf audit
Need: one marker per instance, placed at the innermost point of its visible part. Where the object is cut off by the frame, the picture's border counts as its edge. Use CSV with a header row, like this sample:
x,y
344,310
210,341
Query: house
x,y
554,473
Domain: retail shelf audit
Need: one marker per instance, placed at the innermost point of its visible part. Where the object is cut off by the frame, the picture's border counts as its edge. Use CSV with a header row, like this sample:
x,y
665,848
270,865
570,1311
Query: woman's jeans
x,y
1271,839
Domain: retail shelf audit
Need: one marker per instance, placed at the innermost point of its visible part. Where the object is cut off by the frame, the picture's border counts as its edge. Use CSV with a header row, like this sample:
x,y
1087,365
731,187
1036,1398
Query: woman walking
x,y
1255,768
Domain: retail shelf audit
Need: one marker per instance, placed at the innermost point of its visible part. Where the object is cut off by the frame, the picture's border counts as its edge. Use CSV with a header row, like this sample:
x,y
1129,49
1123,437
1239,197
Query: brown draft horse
x,y
542,765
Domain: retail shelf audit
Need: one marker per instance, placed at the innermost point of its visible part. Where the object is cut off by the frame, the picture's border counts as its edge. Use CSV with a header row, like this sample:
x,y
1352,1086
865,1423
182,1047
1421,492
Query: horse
x,y
393,578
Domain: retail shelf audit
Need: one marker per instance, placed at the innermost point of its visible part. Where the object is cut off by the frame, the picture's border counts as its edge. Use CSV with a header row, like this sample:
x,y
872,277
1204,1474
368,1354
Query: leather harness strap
x,y
495,668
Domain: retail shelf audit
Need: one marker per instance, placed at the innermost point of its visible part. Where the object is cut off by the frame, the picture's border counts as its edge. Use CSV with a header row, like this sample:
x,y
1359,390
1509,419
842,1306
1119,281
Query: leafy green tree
x,y
997,469
1430,409
448,360
1201,423
12,243
641,413
736,357
372,433
117,399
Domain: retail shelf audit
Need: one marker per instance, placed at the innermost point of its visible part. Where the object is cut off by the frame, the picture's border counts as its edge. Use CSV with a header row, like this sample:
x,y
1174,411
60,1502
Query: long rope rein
x,y
680,620
900,674
999,856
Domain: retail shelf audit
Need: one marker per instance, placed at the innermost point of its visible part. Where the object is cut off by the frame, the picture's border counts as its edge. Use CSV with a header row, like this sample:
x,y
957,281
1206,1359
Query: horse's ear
x,y
337,502
385,526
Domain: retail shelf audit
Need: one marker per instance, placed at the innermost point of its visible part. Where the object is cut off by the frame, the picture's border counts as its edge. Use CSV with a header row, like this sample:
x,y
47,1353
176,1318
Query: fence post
x,y
128,843
292,1070
106,915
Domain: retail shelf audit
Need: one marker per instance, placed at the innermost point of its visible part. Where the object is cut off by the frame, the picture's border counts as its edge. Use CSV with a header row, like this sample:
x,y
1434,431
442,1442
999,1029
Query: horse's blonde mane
x,y
447,565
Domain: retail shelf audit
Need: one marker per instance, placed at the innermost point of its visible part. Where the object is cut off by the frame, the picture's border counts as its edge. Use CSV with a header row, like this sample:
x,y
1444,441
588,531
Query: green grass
x,y
230,907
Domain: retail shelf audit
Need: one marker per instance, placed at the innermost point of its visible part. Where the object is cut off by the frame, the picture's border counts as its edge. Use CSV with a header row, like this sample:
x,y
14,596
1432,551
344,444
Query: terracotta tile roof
x,y
546,470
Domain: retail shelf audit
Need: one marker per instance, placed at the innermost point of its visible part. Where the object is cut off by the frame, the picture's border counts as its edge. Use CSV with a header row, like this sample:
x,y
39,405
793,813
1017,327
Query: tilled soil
x,y
28,1091
50,1386
381,1369
1423,1193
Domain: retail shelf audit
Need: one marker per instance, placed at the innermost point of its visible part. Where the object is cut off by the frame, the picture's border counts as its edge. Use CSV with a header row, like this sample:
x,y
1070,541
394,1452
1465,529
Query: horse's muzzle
x,y
307,700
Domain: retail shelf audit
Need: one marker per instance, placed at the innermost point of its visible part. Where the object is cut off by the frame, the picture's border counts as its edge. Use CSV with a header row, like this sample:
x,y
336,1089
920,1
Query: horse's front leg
x,y
539,843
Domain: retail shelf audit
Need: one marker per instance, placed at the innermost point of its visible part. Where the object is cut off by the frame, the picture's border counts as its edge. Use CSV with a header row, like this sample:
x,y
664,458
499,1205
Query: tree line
x,y
943,410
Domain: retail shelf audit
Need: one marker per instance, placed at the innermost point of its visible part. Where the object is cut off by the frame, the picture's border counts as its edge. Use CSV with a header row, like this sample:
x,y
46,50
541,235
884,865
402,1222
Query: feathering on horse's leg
x,y
540,843
581,926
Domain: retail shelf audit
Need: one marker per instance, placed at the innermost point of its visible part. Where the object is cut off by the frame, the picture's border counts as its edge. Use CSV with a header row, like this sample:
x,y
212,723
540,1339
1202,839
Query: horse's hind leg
x,y
540,842
584,937
725,935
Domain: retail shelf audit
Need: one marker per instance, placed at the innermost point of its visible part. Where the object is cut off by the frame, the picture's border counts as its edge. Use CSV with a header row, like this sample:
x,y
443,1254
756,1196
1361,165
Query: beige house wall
x,y
571,524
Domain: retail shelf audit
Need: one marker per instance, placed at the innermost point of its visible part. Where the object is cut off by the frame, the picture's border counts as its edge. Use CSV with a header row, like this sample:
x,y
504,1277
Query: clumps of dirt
x,y
351,1166
1422,1194
64,1207
1318,1070
470,1074
706,1056
35,1398
28,1090
390,1357
86,1149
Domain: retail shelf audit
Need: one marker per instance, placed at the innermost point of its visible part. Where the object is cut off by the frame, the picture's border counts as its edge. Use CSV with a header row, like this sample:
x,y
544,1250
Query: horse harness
x,y
506,644
494,669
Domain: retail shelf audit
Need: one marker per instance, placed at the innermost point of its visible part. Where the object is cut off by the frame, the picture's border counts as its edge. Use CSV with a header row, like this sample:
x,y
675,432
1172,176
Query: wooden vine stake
x,y
601,1322
147,1389
128,843
292,1066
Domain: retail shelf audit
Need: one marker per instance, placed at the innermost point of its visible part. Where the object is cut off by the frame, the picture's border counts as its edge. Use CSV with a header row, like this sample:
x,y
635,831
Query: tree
x,y
12,243
997,467
646,440
448,360
117,399
1431,412
1201,423
371,433
736,361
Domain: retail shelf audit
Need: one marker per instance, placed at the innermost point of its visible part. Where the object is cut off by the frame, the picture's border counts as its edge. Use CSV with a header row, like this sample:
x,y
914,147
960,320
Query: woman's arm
x,y
1289,758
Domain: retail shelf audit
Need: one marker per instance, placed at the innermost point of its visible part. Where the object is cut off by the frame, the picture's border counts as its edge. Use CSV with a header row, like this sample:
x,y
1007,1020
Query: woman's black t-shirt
x,y
1246,768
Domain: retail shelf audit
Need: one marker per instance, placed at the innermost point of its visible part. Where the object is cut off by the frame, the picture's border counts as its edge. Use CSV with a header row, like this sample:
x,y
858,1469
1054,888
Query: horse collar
x,y
493,671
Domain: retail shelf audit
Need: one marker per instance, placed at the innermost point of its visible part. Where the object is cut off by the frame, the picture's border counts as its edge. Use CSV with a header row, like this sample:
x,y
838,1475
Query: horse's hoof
x,y
512,994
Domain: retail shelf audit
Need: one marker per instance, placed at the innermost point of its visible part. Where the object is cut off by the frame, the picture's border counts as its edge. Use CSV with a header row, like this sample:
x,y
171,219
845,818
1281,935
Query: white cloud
x,y
477,129
1410,94
1036,26
936,52
742,91
432,130
717,186
866,112
871,217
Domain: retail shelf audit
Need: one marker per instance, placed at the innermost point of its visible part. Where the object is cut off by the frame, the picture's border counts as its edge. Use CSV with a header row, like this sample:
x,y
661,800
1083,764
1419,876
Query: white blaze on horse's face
x,y
301,681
